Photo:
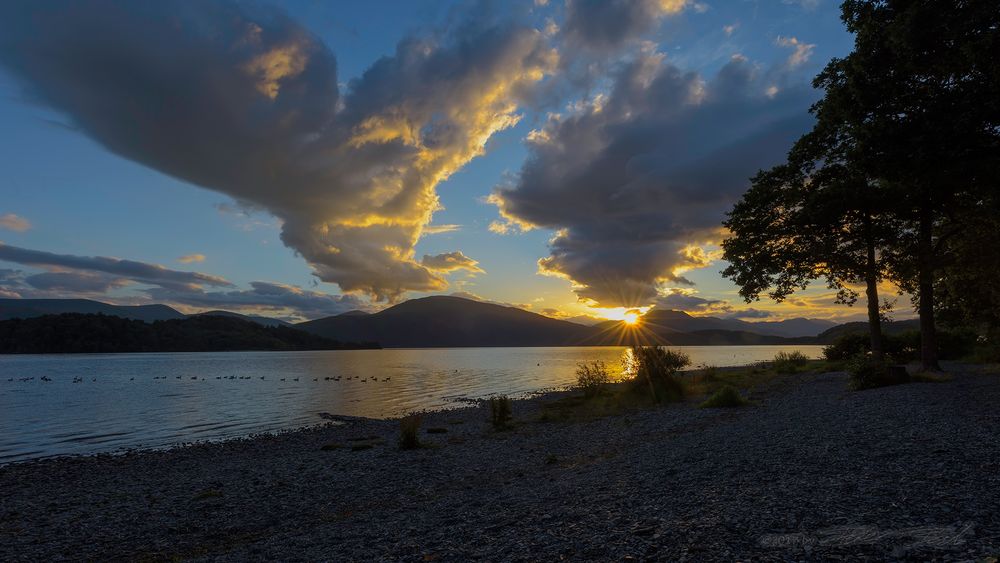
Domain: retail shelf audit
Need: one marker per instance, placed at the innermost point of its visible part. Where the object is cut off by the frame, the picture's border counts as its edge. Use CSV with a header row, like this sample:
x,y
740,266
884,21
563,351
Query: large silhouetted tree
x,y
910,123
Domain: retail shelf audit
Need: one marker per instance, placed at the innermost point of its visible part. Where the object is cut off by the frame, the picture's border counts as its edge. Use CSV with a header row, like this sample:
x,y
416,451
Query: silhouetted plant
x,y
656,368
501,412
727,397
789,362
592,377
409,429
867,372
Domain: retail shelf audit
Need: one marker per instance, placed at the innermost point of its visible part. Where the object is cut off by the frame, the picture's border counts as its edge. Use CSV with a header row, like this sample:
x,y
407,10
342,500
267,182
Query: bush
x,y
847,347
655,368
789,362
409,428
903,347
592,377
727,397
501,412
866,373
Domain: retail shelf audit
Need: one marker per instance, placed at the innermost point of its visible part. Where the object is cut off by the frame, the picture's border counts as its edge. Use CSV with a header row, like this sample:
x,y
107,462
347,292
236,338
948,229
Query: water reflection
x,y
153,400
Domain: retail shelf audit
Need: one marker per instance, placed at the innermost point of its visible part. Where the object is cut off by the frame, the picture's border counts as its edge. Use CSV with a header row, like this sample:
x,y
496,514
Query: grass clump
x,y
655,369
592,377
726,397
789,362
501,412
409,429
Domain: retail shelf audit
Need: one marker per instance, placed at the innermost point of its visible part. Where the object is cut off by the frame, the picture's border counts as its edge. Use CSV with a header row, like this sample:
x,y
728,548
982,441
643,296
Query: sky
x,y
302,159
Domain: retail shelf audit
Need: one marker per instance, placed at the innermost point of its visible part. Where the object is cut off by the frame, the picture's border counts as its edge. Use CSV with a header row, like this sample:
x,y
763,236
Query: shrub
x,y
409,428
847,347
592,377
789,362
867,373
655,369
501,412
726,397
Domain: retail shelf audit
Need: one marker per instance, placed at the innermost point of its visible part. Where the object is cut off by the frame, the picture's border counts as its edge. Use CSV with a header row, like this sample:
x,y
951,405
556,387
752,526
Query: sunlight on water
x,y
154,400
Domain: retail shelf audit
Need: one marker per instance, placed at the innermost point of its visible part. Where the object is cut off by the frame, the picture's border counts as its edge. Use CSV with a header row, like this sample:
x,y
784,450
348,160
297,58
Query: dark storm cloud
x,y
606,25
636,183
245,101
141,272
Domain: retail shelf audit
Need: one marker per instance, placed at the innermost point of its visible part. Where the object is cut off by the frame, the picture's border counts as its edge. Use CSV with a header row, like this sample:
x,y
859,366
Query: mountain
x,y
27,308
98,333
266,321
893,327
446,321
671,320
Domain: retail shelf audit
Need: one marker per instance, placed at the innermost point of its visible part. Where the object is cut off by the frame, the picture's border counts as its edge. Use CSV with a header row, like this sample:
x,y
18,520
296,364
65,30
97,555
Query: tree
x,y
918,97
909,126
808,219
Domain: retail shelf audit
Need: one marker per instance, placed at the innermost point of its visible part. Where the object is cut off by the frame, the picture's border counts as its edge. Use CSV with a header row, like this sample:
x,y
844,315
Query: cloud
x,y
97,277
805,4
606,25
441,229
187,259
266,296
634,184
141,272
246,102
15,223
750,313
450,262
689,302
800,51
729,29
75,282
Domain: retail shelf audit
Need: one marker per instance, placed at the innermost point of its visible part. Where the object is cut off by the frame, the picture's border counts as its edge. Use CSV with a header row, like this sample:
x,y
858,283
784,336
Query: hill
x,y
27,308
894,327
447,321
266,321
671,320
85,333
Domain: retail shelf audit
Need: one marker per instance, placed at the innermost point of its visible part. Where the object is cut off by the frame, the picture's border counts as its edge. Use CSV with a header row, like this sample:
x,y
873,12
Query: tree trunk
x,y
871,292
925,277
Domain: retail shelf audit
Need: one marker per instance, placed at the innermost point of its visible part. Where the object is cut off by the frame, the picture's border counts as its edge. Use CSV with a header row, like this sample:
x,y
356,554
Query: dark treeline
x,y
79,333
898,179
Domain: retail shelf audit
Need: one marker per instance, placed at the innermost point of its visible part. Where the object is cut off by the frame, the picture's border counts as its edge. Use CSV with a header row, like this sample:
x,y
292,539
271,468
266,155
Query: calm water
x,y
154,400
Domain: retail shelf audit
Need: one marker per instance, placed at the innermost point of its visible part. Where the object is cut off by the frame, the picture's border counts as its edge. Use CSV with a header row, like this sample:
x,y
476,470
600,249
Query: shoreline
x,y
786,477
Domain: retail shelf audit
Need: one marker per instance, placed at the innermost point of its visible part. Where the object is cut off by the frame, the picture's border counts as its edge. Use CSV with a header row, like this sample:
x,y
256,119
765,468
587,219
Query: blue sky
x,y
78,183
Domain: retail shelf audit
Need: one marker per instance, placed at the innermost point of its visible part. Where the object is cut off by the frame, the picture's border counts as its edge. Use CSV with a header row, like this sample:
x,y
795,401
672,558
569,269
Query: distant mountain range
x,y
28,308
449,321
69,333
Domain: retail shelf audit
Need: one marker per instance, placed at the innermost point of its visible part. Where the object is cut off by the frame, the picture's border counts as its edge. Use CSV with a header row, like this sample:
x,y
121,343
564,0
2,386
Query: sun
x,y
631,318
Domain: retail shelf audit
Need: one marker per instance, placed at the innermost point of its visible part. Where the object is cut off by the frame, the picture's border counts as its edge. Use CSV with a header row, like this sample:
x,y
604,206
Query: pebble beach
x,y
810,471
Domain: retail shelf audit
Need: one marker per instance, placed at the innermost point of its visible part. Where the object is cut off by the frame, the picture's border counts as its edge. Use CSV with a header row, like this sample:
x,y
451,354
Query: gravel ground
x,y
812,472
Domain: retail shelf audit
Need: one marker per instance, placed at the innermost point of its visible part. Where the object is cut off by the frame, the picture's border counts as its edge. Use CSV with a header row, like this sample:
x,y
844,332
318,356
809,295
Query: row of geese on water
x,y
195,378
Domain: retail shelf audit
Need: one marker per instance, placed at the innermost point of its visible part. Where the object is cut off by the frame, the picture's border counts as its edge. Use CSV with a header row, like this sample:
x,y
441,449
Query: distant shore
x,y
810,471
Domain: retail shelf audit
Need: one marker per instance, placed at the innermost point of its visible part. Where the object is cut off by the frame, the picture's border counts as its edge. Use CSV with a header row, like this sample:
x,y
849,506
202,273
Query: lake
x,y
94,403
